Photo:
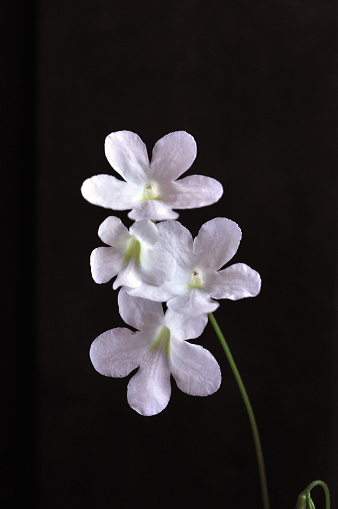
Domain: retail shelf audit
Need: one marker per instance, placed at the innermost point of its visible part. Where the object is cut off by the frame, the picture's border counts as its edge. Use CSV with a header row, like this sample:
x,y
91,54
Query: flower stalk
x,y
258,447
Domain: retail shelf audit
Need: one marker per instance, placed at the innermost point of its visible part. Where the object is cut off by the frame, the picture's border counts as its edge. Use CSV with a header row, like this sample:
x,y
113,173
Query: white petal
x,y
192,302
111,230
156,293
176,285
194,368
193,191
177,240
149,390
118,351
173,155
145,231
139,313
110,193
129,275
128,155
157,266
155,210
217,242
185,327
235,282
105,263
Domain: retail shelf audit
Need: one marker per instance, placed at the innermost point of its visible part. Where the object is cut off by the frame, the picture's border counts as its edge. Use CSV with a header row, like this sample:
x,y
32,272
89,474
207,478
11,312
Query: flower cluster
x,y
157,263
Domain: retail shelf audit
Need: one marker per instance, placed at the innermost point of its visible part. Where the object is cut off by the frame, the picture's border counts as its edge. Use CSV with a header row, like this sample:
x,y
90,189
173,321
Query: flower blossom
x,y
198,280
159,349
131,255
150,188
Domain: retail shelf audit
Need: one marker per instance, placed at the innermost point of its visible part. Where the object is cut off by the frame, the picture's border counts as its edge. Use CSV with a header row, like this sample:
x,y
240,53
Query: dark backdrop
x,y
255,83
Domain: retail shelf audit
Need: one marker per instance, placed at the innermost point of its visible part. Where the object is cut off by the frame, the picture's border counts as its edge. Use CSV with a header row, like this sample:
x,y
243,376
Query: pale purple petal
x,y
118,351
156,293
149,390
111,230
216,243
145,231
185,327
194,368
192,192
177,240
110,193
192,303
180,280
235,282
155,210
172,155
105,263
157,266
128,155
176,285
129,275
139,313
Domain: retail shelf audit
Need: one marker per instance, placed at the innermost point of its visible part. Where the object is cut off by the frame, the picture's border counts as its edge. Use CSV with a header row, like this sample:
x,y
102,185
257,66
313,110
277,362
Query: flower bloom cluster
x,y
157,263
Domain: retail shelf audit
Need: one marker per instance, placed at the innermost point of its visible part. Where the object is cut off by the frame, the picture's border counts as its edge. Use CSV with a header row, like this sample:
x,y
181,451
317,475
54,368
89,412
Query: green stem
x,y
248,406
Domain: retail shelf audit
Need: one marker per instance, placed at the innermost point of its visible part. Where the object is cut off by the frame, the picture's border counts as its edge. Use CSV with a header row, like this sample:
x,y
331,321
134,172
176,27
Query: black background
x,y
255,83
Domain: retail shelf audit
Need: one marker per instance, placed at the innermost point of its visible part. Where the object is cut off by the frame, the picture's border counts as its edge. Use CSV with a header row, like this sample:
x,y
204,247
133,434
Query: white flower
x,y
197,279
159,349
131,256
151,190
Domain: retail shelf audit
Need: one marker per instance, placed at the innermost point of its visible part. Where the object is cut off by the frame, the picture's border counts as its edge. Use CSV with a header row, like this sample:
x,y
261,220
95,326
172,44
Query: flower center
x,y
151,192
195,280
162,341
133,251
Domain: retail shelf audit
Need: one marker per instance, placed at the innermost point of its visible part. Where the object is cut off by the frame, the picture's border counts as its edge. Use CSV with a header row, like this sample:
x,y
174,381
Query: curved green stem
x,y
248,406
306,493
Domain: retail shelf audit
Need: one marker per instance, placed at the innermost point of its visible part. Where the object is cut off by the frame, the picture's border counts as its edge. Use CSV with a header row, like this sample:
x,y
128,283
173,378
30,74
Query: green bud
x,y
301,502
